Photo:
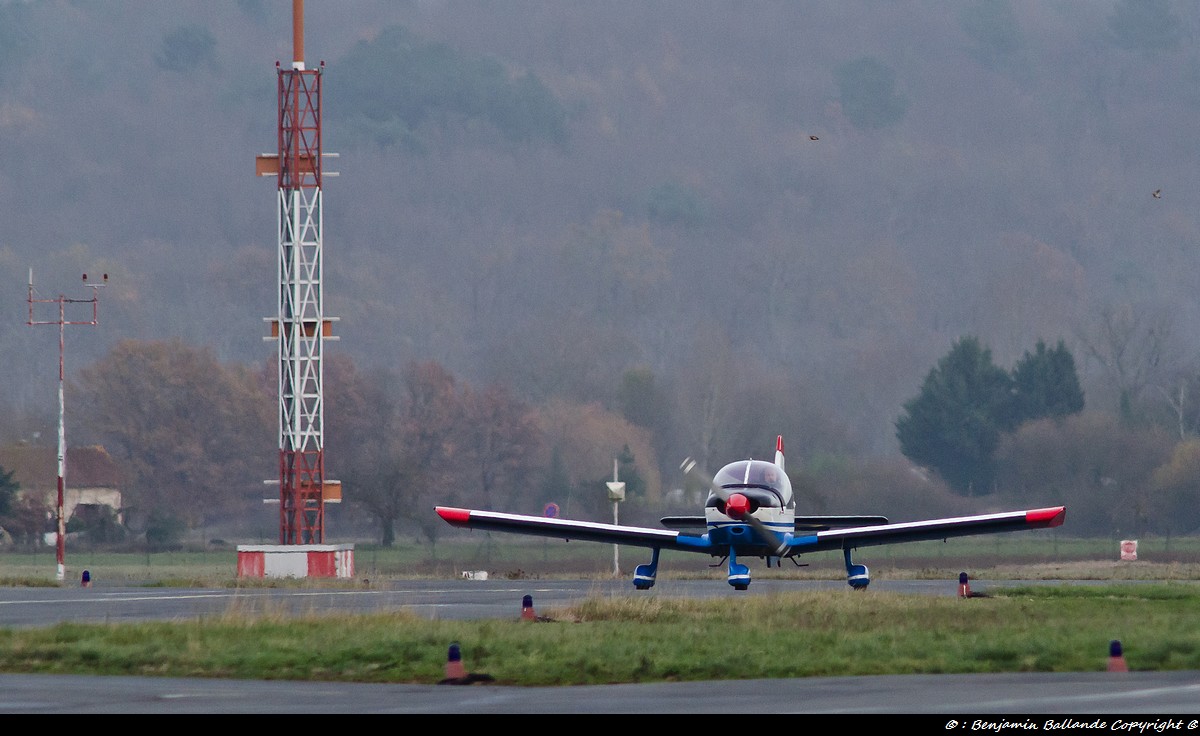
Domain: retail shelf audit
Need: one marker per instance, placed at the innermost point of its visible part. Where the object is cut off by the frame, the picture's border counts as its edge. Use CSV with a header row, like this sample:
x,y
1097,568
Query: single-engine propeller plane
x,y
751,512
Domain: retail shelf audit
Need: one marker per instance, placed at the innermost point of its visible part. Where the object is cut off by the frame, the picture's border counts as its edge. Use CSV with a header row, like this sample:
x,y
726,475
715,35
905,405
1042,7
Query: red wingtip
x,y
454,516
779,443
1053,516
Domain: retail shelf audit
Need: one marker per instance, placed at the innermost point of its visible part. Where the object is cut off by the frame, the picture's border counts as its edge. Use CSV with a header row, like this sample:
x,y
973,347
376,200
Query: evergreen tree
x,y
8,492
1046,384
955,423
635,485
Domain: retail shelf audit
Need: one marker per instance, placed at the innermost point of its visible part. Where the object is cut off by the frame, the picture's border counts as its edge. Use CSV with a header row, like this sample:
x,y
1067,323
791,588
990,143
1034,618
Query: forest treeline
x,y
682,226
550,196
194,439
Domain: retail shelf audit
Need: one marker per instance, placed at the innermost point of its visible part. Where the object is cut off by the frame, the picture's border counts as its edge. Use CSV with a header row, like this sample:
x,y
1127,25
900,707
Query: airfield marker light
x,y
456,674
454,665
527,612
86,580
1116,658
964,586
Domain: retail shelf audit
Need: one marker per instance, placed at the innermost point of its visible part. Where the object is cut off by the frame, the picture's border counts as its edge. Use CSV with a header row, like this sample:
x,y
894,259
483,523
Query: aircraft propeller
x,y
737,506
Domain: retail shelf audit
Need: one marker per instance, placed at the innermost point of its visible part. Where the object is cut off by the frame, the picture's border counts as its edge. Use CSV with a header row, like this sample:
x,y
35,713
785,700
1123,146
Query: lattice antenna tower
x,y
300,326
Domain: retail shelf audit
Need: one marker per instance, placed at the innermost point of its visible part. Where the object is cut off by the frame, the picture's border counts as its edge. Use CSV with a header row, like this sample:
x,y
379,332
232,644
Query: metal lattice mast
x,y
300,326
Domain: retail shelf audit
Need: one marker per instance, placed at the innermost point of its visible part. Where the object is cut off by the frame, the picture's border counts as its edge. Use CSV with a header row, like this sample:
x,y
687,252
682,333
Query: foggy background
x,y
813,199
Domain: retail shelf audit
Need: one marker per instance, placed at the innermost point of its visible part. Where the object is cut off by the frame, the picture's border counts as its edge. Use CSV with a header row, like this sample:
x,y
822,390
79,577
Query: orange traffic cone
x,y
454,665
527,612
1116,659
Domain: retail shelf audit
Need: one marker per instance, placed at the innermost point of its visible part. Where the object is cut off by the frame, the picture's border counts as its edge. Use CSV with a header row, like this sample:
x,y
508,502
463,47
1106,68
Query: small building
x,y
92,478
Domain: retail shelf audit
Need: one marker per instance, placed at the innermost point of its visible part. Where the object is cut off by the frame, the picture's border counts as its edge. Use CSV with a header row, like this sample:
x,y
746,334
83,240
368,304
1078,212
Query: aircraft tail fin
x,y
779,451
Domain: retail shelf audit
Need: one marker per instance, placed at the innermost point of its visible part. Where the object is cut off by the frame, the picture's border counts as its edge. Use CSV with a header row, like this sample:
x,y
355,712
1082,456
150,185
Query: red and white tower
x,y
300,326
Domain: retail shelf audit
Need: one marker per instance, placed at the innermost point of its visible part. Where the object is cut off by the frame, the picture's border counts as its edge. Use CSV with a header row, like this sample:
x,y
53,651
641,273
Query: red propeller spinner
x,y
737,507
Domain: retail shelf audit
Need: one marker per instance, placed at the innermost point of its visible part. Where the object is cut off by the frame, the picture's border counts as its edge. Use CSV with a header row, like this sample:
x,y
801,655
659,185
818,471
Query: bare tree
x,y
1101,469
194,435
399,448
499,444
1133,345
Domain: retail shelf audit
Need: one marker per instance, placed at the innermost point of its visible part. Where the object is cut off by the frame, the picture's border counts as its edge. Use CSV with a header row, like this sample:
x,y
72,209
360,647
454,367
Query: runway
x,y
433,599
967,700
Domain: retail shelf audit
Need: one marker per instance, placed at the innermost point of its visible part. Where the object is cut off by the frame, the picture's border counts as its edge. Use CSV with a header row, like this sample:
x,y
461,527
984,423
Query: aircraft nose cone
x,y
737,506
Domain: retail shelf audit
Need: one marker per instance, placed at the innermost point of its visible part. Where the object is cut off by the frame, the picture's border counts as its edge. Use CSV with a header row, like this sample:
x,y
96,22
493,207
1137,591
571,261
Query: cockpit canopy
x,y
762,482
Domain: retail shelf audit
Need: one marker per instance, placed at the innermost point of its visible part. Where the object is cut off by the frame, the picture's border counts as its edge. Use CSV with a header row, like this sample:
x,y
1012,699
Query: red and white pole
x,y
62,322
60,543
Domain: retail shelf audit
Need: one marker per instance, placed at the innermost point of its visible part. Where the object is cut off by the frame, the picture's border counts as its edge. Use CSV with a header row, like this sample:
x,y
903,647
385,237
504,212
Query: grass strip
x,y
631,639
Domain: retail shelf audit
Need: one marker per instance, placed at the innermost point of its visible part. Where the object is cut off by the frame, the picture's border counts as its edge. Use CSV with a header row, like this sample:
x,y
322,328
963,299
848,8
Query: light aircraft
x,y
751,512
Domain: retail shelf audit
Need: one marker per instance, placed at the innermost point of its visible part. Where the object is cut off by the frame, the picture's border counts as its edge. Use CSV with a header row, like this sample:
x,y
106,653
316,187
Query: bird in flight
x,y
813,138
1157,194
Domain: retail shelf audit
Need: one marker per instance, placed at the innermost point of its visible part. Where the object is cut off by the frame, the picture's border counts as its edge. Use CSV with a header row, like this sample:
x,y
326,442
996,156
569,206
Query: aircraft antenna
x,y
300,326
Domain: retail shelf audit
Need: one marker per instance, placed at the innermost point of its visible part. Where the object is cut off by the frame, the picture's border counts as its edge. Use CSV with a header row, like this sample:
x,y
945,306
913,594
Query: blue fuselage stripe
x,y
702,542
777,527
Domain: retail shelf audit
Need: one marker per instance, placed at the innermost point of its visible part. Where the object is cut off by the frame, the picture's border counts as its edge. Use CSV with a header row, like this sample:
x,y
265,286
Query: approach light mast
x,y
300,326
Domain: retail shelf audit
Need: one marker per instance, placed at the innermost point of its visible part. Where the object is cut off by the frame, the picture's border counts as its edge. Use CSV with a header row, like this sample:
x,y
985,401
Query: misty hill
x,y
815,199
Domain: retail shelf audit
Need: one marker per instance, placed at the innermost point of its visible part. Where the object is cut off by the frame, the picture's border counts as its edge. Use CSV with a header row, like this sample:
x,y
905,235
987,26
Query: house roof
x,y
36,468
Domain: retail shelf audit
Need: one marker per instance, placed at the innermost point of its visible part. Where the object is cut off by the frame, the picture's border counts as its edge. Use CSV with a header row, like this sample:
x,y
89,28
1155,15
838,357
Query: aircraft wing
x,y
820,523
699,525
915,531
867,535
569,529
694,524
